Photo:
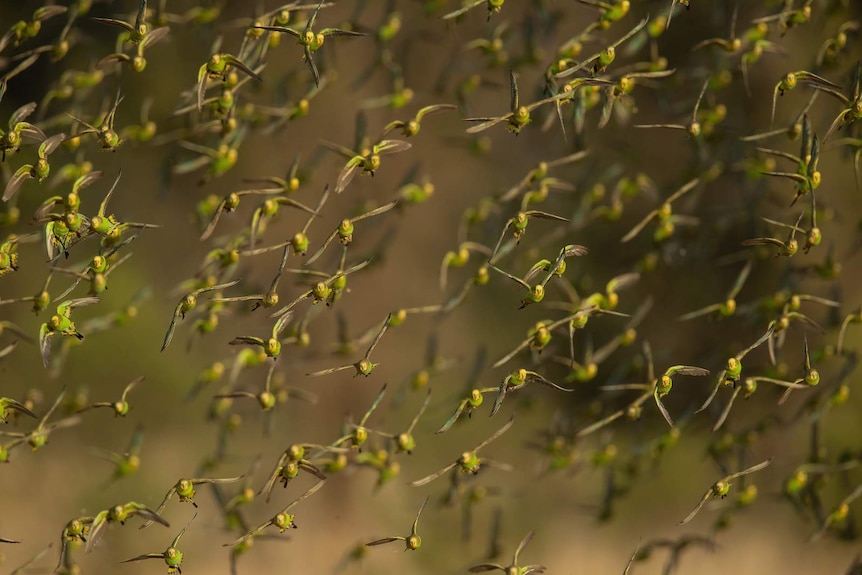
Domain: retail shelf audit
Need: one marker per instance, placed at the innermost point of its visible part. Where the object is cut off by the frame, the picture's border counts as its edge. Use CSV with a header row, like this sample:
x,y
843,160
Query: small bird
x,y
185,490
172,556
721,487
120,514
412,542
187,304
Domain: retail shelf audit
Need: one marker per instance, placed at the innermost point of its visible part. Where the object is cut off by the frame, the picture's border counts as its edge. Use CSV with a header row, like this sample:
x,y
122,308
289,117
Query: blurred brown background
x,y
40,491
